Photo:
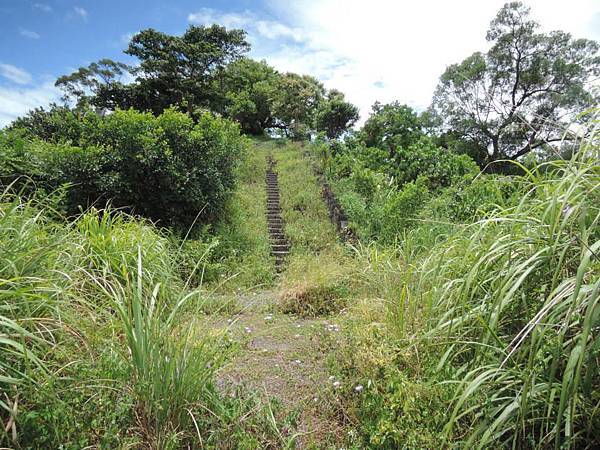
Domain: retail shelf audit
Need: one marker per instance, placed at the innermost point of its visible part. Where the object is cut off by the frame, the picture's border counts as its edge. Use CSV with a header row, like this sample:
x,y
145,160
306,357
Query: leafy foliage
x,y
249,90
391,125
296,101
513,99
335,115
165,168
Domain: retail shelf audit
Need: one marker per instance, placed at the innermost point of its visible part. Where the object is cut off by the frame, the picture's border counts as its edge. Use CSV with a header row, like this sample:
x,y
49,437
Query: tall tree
x,y
336,115
391,125
89,82
519,95
296,101
249,92
182,69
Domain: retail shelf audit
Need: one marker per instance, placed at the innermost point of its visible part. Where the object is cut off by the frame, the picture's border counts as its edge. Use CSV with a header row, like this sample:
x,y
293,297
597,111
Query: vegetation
x,y
131,160
139,302
511,100
495,322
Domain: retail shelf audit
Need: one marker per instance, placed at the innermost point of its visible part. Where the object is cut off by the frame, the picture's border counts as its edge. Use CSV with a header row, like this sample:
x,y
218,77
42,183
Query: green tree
x,y
297,99
249,91
182,70
335,115
390,126
519,95
88,83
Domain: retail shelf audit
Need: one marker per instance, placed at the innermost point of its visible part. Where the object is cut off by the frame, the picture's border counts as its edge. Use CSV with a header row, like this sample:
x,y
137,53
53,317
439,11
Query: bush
x,y
165,168
501,320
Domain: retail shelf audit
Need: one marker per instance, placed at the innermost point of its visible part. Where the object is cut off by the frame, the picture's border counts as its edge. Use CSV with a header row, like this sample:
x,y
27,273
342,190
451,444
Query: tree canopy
x,y
205,68
520,94
335,115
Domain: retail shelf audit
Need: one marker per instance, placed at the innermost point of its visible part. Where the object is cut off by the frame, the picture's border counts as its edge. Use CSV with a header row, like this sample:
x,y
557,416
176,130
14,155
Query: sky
x,y
372,50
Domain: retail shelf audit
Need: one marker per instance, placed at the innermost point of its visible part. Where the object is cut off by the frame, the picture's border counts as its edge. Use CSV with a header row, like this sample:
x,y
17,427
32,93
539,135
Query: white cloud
x,y
275,30
81,12
208,16
28,33
42,7
16,102
15,74
249,21
384,50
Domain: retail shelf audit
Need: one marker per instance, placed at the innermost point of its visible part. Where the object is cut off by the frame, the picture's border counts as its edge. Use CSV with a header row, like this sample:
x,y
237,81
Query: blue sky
x,y
372,50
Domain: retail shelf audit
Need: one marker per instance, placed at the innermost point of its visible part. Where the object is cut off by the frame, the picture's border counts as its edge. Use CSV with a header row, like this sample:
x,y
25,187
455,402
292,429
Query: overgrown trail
x,y
279,244
281,343
281,362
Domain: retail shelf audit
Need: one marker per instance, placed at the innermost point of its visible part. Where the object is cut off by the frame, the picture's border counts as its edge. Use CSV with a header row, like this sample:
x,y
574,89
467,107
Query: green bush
x,y
165,168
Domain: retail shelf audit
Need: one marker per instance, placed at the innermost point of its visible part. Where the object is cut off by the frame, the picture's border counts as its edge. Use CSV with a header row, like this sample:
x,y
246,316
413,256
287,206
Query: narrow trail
x,y
279,244
280,358
283,363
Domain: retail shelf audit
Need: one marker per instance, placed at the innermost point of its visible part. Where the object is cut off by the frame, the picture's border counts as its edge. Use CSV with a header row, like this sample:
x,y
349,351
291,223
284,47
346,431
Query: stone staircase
x,y
280,246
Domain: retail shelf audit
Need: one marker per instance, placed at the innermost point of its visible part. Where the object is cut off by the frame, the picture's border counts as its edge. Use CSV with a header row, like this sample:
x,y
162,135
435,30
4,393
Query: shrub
x,y
165,168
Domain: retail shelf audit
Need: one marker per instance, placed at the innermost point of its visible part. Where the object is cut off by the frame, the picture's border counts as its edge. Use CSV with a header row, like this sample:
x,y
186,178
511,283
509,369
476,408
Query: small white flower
x,y
331,378
298,361
336,384
248,330
229,320
359,388
268,318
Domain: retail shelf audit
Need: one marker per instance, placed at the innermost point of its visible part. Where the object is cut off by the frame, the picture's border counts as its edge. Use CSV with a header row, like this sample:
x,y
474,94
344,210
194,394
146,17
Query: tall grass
x,y
491,327
243,250
28,302
133,269
91,313
511,303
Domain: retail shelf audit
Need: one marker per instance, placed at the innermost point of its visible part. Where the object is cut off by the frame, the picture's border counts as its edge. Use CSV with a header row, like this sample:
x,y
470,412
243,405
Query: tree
x,y
249,91
391,125
297,98
182,70
519,95
87,83
336,115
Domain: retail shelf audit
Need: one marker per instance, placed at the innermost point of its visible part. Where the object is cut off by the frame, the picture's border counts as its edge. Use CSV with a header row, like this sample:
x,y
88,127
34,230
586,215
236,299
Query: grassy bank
x,y
487,337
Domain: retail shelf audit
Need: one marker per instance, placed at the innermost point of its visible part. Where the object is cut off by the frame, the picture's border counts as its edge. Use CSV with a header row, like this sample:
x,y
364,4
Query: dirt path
x,y
282,361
